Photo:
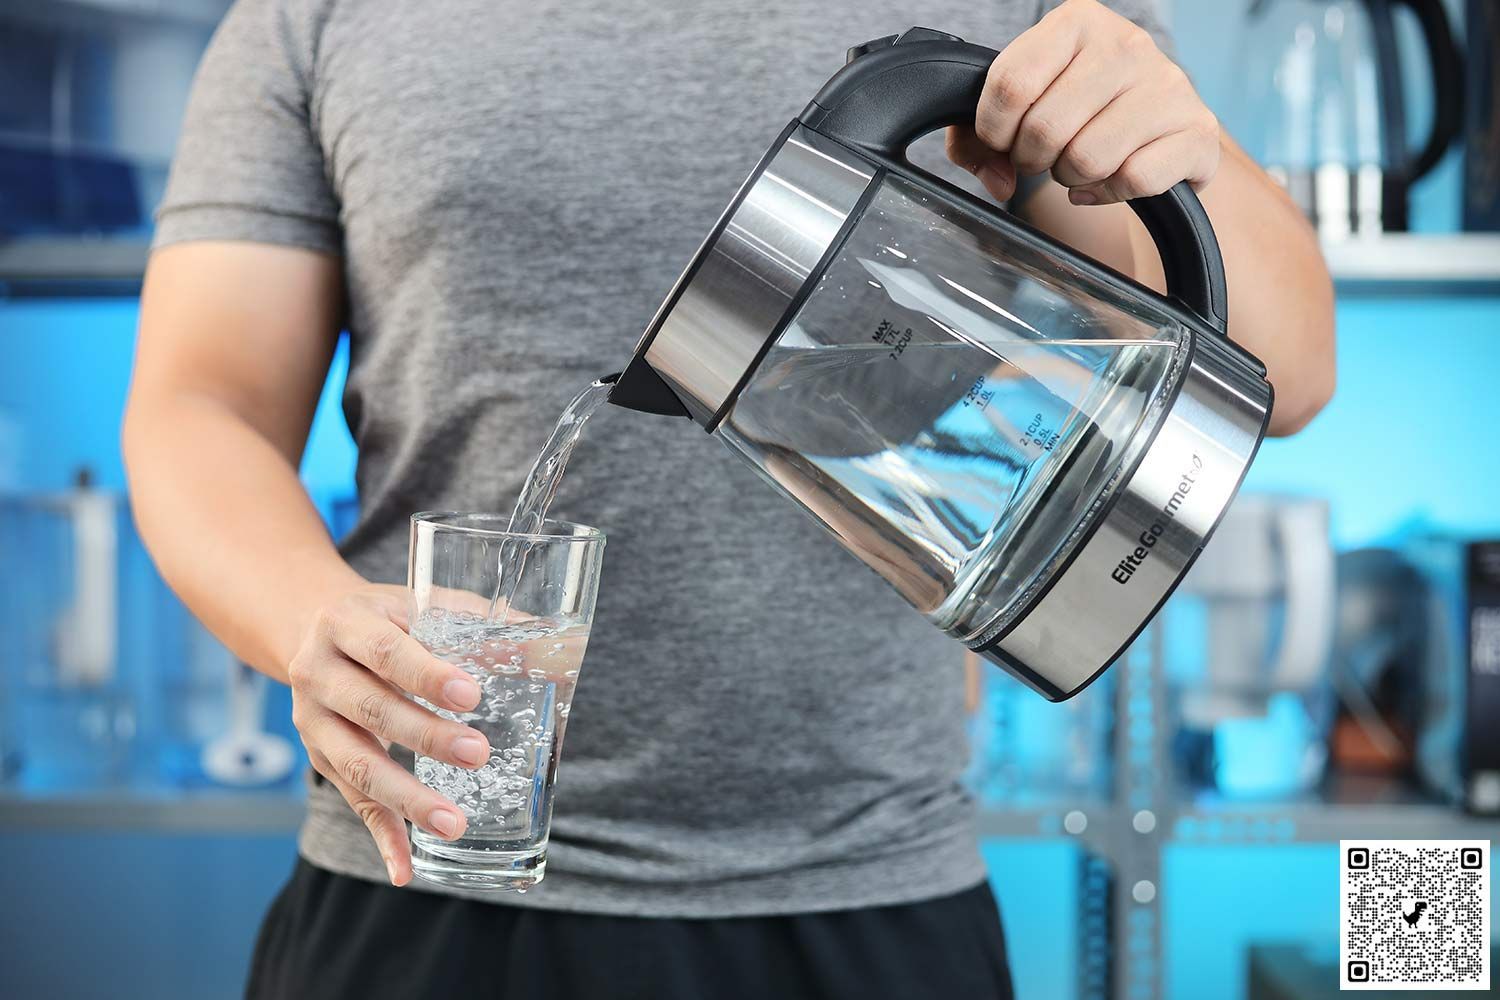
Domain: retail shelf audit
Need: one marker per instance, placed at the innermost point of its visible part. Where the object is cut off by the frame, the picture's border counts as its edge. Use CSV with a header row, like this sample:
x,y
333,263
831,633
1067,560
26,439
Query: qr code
x,y
1415,914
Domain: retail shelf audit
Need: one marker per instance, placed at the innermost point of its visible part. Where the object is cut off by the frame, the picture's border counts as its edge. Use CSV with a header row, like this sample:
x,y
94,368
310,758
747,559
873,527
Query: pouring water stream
x,y
539,489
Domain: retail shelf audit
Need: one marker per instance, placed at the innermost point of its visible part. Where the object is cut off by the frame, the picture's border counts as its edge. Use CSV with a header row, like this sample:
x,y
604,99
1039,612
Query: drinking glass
x,y
524,649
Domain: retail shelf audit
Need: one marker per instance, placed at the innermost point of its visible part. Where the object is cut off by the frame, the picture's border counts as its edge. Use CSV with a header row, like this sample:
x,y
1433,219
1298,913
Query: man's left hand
x,y
1087,94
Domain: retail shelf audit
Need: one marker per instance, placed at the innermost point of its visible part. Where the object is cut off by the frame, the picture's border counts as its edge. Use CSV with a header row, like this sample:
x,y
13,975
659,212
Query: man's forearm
x,y
230,526
1280,295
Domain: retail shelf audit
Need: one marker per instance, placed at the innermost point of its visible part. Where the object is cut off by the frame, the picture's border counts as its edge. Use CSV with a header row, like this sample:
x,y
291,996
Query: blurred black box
x,y
1458,746
1481,745
1482,129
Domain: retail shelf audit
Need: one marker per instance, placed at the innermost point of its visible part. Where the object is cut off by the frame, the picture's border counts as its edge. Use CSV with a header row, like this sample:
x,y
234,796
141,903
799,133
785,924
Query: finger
x,y
374,705
1151,170
374,641
1084,89
386,828
361,763
1022,73
1132,121
993,169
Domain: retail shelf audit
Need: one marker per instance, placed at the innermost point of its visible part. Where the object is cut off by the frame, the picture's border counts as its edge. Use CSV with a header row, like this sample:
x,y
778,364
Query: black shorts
x,y
329,937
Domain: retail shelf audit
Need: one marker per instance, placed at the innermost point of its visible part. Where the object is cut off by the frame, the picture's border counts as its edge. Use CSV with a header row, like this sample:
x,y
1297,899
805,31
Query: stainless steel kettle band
x,y
754,269
1157,522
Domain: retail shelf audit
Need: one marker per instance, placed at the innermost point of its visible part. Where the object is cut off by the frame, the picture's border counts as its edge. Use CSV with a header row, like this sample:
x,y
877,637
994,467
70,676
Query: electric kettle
x,y
1325,109
1029,447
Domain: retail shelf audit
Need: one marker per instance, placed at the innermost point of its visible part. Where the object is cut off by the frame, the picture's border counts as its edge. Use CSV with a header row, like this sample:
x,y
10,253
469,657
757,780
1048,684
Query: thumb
x,y
998,175
992,167
1094,194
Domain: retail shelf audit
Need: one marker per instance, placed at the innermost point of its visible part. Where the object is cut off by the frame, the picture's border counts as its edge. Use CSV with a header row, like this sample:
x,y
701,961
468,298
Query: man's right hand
x,y
349,679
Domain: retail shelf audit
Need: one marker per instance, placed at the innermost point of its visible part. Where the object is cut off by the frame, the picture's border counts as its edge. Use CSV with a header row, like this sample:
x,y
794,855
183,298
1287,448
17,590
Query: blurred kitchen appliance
x,y
1379,648
10,466
246,754
1482,134
1028,447
1325,109
75,719
1257,615
212,711
1458,750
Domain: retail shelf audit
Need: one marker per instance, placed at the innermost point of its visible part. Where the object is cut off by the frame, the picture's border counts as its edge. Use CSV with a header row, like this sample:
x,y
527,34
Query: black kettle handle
x,y
896,90
1447,85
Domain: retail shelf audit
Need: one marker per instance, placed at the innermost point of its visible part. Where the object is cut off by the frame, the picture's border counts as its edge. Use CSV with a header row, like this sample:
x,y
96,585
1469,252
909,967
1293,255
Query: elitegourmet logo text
x,y
1148,538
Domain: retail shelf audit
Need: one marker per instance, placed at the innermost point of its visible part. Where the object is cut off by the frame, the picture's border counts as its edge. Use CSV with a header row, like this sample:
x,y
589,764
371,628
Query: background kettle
x,y
1029,447
1325,107
1250,637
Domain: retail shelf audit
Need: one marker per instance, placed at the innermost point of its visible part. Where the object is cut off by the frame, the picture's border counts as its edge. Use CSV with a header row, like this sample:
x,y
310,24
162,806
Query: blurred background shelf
x,y
55,267
278,811
196,13
1417,264
1348,806
1070,819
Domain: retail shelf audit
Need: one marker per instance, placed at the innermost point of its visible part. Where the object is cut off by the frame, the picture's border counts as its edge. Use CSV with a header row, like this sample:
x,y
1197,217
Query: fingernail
x,y
471,750
1083,197
461,691
390,868
444,822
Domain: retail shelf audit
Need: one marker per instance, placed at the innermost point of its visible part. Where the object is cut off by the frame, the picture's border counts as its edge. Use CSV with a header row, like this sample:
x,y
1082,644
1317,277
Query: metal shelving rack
x,y
170,812
1123,837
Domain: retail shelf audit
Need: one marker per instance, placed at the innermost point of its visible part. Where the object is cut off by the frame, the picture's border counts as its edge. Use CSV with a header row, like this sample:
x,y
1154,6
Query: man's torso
x,y
761,724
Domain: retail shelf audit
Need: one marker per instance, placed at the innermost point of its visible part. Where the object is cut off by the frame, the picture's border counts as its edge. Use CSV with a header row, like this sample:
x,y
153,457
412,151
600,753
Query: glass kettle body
x,y
1028,447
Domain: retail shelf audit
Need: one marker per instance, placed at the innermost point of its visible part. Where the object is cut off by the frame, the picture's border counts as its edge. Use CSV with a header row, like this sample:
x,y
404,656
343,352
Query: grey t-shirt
x,y
761,726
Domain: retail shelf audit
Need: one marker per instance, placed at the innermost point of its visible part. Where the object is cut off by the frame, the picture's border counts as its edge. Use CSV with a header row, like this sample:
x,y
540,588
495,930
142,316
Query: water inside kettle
x,y
950,408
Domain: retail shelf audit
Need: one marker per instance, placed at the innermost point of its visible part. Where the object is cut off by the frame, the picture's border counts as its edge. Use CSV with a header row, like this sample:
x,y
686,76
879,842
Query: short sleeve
x,y
1146,13
248,164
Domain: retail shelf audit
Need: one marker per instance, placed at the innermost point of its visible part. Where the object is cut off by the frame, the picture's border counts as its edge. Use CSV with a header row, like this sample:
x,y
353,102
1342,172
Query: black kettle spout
x,y
639,387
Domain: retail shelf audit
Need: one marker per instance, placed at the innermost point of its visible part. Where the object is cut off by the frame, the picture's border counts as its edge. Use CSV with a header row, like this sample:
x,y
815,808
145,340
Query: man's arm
x,y
1280,295
234,345
1087,95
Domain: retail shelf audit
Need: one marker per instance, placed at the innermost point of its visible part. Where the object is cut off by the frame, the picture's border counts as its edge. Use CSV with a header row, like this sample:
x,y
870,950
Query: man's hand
x,y
349,684
1087,95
